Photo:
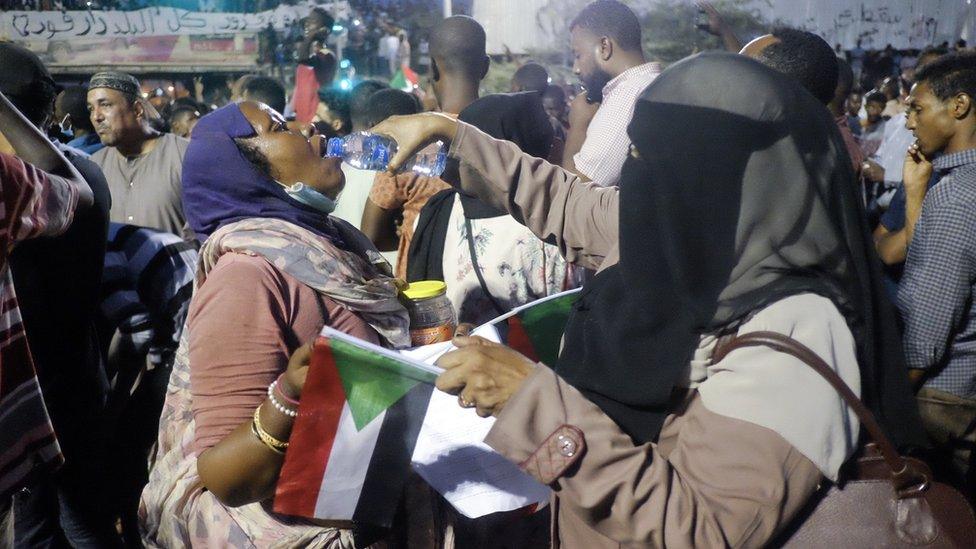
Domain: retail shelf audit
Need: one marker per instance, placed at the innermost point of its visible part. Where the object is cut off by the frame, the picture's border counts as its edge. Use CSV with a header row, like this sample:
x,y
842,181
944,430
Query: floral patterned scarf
x,y
358,279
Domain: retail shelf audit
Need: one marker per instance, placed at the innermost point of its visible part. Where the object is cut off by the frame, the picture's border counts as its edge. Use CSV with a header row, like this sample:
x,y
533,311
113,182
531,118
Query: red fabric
x,y
410,75
519,339
32,204
853,148
306,97
408,192
312,436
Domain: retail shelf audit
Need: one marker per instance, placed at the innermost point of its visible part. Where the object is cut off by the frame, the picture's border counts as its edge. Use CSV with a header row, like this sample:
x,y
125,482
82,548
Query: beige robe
x,y
709,480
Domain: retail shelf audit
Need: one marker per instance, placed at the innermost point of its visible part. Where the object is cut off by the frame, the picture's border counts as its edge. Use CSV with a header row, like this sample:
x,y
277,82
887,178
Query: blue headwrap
x,y
220,186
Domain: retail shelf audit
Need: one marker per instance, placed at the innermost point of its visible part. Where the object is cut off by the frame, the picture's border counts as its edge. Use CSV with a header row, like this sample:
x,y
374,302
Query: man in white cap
x,y
143,167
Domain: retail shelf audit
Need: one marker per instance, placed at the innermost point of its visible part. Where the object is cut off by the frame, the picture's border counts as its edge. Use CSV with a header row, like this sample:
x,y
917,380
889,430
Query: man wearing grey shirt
x,y
142,166
937,292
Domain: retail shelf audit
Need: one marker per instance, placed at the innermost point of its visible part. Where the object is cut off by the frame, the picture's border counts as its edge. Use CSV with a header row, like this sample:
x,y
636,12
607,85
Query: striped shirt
x,y
146,288
32,203
938,288
607,144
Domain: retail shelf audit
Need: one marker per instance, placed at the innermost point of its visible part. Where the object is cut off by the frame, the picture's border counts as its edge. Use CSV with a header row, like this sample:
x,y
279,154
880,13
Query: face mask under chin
x,y
65,127
310,197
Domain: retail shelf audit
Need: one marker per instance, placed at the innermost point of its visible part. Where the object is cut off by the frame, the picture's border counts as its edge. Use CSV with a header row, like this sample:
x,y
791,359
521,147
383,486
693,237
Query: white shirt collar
x,y
649,68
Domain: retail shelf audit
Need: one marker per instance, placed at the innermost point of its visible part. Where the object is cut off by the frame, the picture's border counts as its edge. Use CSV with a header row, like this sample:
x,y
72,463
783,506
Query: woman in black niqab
x,y
738,193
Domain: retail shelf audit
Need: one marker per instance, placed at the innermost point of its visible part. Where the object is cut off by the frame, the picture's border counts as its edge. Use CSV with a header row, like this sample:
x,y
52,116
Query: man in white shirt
x,y
389,46
608,58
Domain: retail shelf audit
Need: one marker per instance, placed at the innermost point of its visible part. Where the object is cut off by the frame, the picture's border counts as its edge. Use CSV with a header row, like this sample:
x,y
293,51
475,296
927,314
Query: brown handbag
x,y
883,499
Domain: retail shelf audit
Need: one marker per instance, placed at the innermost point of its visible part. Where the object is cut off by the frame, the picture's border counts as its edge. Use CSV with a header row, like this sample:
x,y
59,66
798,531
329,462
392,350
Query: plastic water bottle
x,y
368,151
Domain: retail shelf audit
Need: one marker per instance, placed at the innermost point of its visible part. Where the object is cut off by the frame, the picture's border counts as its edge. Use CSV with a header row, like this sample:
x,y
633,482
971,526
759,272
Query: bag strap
x,y
908,482
477,269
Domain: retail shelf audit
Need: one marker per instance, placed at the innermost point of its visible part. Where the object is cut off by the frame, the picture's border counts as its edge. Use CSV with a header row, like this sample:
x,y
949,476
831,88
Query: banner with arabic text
x,y
18,26
228,52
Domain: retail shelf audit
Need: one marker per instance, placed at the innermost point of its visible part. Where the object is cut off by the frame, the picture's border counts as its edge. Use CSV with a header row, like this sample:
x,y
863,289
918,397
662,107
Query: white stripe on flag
x,y
346,469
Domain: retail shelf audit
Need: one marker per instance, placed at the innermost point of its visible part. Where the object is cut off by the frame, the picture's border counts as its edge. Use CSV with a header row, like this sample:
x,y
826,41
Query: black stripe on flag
x,y
390,465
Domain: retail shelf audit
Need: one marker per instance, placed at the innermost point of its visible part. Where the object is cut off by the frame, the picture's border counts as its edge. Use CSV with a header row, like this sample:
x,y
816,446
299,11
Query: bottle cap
x,y
425,289
334,148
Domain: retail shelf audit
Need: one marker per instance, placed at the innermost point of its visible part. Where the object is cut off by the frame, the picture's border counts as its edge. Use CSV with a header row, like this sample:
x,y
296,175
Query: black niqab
x,y
738,193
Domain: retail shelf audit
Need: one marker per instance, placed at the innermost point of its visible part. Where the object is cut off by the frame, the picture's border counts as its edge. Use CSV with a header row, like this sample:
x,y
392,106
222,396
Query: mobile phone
x,y
594,95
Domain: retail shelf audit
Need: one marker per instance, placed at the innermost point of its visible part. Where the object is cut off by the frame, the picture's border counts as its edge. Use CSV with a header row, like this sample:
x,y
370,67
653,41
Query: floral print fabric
x,y
517,267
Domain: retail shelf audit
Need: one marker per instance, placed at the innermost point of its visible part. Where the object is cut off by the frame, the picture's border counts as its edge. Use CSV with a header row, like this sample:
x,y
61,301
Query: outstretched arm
x,y
556,205
20,138
718,27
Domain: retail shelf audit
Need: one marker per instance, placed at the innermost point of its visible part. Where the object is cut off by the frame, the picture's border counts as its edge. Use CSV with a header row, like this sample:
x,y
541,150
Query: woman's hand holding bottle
x,y
414,132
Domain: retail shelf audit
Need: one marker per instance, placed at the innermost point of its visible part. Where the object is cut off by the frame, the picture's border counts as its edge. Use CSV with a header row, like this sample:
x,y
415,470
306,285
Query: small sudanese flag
x,y
349,452
536,329
405,79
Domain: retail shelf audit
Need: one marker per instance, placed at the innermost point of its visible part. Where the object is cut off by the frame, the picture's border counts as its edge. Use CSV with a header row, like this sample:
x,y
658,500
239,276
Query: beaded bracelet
x,y
282,394
279,406
265,438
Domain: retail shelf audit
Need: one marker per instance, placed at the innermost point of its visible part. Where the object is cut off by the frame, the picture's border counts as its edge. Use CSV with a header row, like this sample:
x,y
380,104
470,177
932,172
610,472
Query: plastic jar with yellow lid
x,y
432,317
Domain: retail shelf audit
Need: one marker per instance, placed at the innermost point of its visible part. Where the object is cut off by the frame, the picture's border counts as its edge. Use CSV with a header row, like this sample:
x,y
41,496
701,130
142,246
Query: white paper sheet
x,y
452,457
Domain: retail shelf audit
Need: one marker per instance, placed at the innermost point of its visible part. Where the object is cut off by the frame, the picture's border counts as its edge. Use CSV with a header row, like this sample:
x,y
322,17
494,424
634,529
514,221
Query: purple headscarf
x,y
220,186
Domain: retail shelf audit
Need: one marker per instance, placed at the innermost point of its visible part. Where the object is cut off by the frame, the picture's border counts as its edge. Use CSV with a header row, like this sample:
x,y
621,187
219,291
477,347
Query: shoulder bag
x,y
882,499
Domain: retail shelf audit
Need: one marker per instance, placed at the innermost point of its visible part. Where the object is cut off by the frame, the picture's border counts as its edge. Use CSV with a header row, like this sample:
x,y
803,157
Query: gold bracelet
x,y
268,440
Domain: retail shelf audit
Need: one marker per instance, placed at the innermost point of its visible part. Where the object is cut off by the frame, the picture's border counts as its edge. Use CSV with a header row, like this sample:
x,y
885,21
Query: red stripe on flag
x,y
518,338
312,436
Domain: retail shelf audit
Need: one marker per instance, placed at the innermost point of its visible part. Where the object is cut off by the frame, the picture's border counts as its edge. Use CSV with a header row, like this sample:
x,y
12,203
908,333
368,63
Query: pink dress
x,y
244,322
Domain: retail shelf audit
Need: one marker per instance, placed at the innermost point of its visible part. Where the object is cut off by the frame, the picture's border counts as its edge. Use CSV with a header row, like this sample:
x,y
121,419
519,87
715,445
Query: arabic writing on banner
x,y
237,51
901,23
55,25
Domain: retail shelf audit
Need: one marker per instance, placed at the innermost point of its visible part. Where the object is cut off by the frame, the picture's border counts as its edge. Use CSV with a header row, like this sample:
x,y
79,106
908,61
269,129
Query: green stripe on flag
x,y
544,324
373,382
399,80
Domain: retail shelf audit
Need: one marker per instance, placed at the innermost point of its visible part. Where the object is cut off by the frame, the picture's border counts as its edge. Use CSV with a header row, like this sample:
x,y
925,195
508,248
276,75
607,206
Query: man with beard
x,y
607,57
143,167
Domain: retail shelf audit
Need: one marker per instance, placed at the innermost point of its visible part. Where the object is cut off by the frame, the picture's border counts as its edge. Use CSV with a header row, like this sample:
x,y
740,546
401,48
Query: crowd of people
x,y
167,262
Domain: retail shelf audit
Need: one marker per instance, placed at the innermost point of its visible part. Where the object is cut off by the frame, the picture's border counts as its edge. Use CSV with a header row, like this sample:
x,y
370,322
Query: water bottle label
x,y
381,157
335,147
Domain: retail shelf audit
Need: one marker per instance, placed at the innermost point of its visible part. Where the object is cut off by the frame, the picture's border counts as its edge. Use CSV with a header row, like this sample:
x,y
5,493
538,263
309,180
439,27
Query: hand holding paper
x,y
483,374
368,413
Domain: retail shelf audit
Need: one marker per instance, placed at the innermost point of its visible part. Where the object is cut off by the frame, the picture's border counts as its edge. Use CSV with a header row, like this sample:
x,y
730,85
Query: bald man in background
x,y
459,62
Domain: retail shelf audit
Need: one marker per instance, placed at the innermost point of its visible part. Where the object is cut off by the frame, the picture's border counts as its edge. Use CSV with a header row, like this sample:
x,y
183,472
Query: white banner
x,y
523,26
877,23
53,25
